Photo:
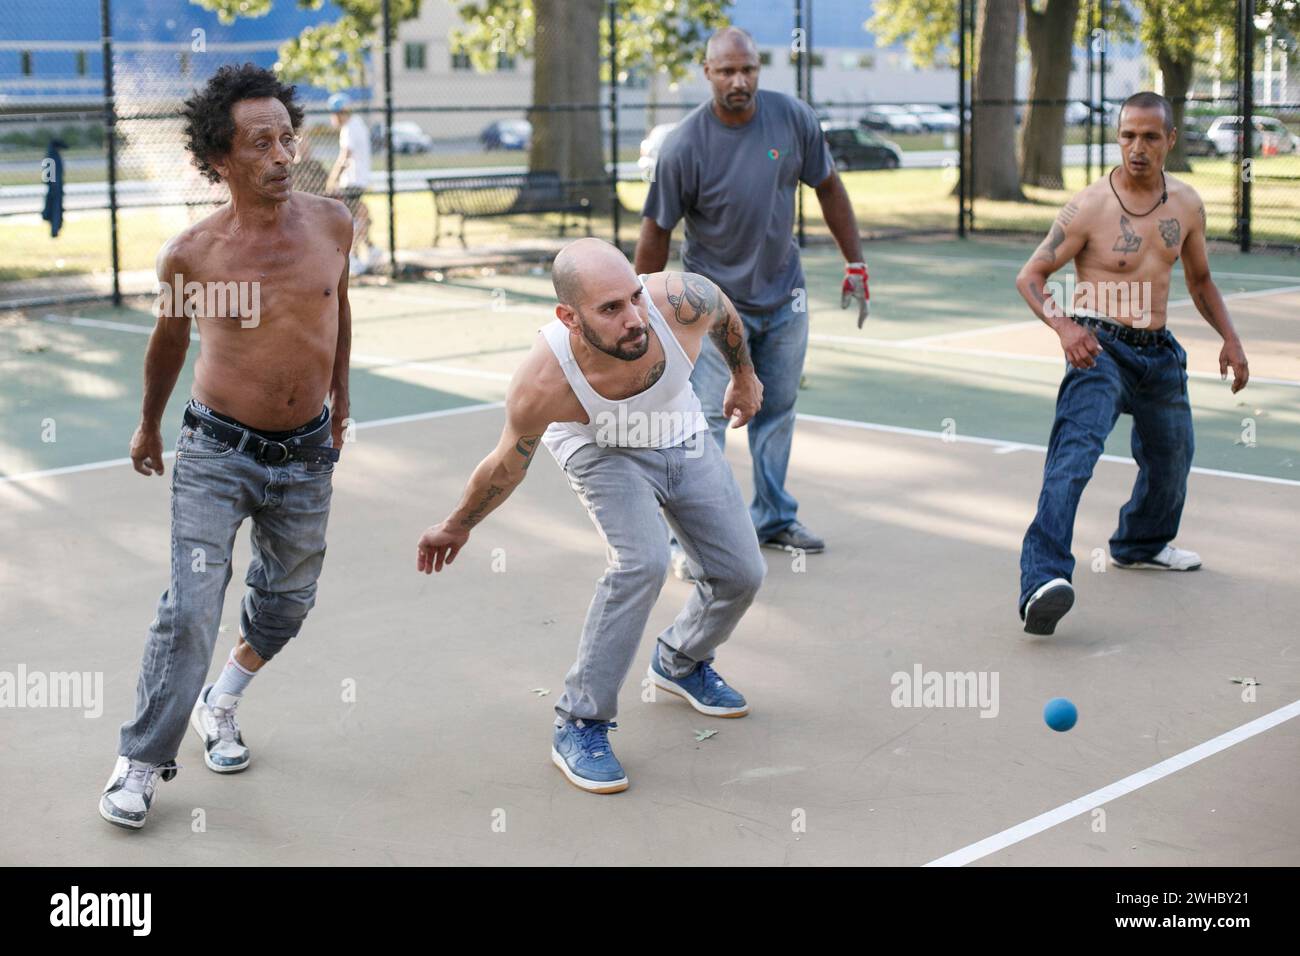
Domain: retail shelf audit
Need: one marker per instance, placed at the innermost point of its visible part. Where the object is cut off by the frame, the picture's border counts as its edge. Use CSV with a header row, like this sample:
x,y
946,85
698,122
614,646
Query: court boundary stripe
x,y
1120,788
1000,445
821,339
1006,445
377,423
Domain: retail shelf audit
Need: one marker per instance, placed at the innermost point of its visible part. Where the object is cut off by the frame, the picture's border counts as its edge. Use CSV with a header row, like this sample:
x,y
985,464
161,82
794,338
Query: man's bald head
x,y
730,40
583,259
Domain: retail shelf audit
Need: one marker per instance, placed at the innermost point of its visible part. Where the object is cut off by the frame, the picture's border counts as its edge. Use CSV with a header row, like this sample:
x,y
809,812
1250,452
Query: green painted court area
x,y
949,348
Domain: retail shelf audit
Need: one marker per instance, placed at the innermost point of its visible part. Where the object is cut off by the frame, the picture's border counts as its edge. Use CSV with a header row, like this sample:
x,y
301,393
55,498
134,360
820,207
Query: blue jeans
x,y
214,488
1148,382
777,342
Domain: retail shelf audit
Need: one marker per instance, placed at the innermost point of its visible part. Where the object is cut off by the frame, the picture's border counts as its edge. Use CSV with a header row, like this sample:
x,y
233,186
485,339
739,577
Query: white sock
x,y
233,680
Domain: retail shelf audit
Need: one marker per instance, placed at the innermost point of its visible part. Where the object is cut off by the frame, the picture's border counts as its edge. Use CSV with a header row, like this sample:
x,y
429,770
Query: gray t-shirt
x,y
735,186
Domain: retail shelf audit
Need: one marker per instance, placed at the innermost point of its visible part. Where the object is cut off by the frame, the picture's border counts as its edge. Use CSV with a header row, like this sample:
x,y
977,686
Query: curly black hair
x,y
209,123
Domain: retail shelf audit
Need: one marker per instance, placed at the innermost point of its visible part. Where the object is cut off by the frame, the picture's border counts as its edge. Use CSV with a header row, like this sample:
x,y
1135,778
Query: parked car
x,y
409,138
1076,113
934,118
507,134
650,146
1271,135
891,119
1196,142
853,147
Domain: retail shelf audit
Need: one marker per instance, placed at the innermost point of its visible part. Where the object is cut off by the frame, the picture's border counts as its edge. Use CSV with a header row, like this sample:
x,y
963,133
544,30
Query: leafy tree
x,y
331,55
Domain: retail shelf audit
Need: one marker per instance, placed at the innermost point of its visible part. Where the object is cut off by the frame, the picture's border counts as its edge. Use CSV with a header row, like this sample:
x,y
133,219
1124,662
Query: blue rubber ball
x,y
1060,714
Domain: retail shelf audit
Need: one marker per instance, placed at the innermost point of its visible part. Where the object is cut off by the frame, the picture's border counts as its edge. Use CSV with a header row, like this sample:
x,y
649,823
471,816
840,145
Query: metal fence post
x,y
613,119
1092,80
799,54
388,136
110,134
1101,84
1246,98
962,124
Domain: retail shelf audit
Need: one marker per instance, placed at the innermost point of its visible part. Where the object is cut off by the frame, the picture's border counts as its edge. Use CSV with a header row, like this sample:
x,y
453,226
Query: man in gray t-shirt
x,y
730,169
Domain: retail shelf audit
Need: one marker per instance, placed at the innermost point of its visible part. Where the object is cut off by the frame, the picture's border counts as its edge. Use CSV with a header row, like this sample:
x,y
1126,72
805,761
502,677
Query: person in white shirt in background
x,y
350,177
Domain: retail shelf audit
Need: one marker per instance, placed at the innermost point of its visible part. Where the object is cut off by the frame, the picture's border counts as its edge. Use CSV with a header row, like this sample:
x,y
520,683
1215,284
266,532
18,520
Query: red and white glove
x,y
855,287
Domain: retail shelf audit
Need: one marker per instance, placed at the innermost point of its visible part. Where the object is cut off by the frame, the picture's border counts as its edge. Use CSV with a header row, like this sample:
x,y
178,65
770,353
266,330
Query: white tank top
x,y
665,414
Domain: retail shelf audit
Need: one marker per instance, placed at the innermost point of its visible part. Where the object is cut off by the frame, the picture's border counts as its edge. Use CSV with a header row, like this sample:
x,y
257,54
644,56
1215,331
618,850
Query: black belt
x,y
1125,333
262,449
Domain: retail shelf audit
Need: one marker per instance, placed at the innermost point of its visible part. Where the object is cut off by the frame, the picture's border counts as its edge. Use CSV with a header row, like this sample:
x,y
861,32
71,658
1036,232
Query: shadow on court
x,y
404,725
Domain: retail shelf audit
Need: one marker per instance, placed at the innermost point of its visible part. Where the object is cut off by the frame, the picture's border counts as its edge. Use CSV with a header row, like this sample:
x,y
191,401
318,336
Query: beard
x,y
623,349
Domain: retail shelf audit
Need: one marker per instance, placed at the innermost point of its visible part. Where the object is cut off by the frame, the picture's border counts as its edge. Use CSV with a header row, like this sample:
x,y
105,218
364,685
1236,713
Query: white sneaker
x,y
1048,605
128,795
217,727
1169,559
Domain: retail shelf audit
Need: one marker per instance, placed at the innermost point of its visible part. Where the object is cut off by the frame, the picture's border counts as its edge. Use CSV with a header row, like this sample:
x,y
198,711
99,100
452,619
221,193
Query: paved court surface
x,y
447,736
442,753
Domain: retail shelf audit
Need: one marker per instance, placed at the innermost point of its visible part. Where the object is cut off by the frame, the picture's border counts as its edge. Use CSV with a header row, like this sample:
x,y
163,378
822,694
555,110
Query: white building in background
x,y
848,68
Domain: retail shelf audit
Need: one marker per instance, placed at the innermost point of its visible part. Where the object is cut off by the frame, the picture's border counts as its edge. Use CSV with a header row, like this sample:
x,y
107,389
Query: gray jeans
x,y
629,492
214,488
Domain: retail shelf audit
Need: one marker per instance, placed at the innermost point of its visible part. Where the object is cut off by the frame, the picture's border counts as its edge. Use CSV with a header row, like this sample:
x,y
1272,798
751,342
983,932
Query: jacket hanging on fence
x,y
52,171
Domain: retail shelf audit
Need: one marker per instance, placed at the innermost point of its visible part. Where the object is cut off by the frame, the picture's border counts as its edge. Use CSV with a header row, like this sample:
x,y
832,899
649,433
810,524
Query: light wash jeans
x,y
777,342
214,488
629,492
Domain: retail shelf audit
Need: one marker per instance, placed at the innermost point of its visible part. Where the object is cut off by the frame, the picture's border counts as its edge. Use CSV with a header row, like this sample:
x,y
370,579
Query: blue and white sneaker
x,y
217,727
128,795
581,750
703,688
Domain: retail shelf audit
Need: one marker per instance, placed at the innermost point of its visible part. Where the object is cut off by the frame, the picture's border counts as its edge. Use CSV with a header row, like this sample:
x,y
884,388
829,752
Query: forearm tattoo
x,y
477,513
729,337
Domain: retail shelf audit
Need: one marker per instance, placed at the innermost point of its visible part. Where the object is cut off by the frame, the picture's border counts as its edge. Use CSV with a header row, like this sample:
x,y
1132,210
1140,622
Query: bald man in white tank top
x,y
607,389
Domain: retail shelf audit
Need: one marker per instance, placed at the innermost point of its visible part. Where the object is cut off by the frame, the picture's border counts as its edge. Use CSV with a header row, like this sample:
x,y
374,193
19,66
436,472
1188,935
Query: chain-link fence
x,y
1050,129
489,131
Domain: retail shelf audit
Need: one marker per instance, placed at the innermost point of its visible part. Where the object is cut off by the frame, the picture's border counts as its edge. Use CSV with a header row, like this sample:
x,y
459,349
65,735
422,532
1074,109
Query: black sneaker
x,y
796,537
1048,605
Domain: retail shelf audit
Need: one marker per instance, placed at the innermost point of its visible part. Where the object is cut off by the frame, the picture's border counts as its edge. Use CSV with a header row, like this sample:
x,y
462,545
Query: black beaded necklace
x,y
1164,195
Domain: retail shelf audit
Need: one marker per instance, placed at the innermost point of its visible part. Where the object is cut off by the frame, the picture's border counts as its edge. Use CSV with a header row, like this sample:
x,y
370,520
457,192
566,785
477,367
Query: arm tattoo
x,y
1066,215
1128,240
729,337
654,374
1047,250
1202,216
699,298
526,446
476,515
1171,231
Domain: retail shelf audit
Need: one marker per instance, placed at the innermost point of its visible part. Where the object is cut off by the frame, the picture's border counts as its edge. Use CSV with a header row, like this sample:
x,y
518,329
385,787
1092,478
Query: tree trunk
x,y
1051,58
997,31
1177,77
566,69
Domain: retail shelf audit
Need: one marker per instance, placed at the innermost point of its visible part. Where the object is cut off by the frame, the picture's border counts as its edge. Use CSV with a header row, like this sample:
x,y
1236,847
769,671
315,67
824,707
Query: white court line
x,y
384,362
1011,356
379,361
922,257
1013,326
1004,446
1120,788
377,423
